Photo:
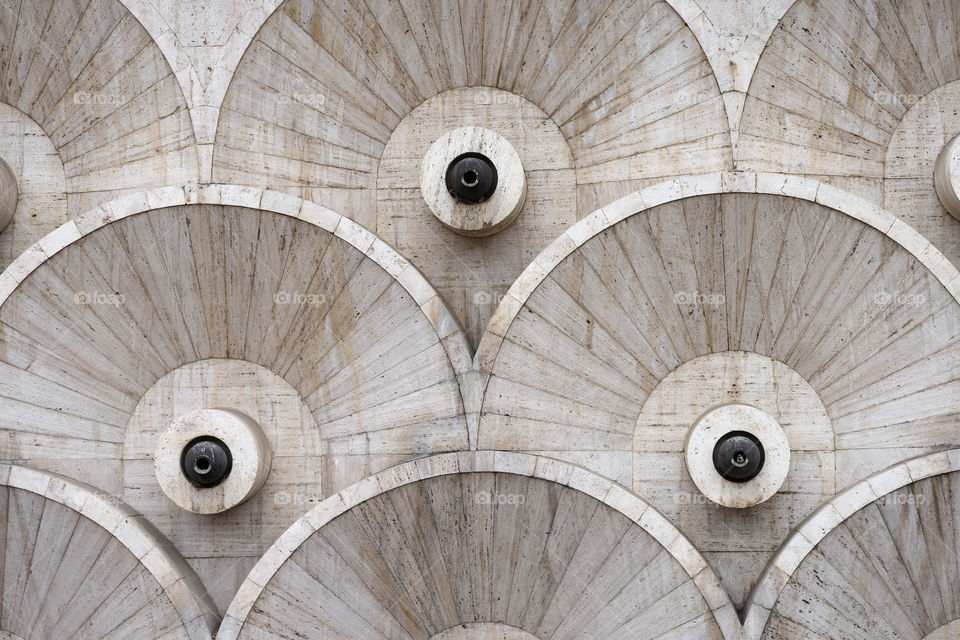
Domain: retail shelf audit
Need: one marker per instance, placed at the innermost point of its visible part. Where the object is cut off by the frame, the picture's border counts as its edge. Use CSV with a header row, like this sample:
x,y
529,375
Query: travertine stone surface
x,y
909,188
789,279
707,431
373,351
483,631
733,34
77,562
203,45
248,447
660,474
9,193
299,469
947,631
472,274
834,82
921,487
543,546
41,183
473,219
351,320
619,305
890,570
607,73
946,176
178,293
92,77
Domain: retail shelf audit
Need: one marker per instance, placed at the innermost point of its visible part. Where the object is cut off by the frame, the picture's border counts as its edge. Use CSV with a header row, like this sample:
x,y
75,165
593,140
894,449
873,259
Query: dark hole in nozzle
x,y
206,461
471,178
738,456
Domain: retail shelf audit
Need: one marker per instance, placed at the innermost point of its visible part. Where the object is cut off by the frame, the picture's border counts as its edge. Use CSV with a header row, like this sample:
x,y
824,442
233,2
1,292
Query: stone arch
x,y
480,474
318,154
610,309
103,568
873,61
890,540
378,359
96,82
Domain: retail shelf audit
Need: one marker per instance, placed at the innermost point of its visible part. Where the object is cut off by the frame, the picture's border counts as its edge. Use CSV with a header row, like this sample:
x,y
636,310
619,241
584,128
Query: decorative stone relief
x,y
211,460
730,467
472,180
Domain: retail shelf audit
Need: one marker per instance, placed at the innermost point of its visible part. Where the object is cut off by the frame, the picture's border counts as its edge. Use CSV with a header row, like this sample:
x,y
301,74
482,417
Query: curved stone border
x,y
827,517
483,630
703,185
945,632
205,100
602,489
157,554
445,324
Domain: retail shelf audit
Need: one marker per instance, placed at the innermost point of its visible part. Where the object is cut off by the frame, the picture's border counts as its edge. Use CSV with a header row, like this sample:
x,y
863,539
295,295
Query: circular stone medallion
x,y
737,455
211,460
473,182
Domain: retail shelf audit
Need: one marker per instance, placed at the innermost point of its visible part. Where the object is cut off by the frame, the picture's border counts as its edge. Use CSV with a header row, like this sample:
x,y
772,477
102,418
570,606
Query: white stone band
x,y
699,185
138,535
602,489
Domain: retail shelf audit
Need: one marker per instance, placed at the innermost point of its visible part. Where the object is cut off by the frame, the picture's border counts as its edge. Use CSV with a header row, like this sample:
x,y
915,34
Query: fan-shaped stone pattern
x,y
298,471
888,571
908,185
834,82
92,77
477,547
853,313
324,84
41,182
473,274
661,475
94,327
64,576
